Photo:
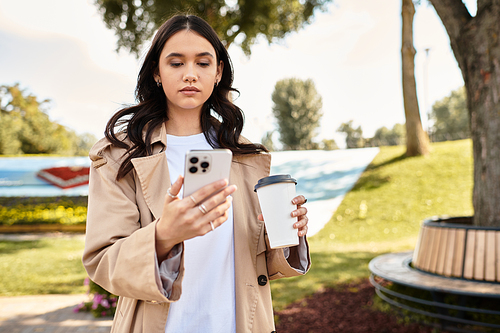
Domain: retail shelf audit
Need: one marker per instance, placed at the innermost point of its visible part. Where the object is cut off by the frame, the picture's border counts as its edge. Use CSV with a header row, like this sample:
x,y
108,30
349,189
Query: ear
x,y
220,69
156,75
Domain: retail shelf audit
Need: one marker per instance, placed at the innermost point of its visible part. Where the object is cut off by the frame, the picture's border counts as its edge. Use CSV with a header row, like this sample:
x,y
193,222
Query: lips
x,y
190,88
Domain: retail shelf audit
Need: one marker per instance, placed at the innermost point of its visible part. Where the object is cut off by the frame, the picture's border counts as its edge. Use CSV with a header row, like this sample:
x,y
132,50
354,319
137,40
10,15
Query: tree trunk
x,y
476,45
417,141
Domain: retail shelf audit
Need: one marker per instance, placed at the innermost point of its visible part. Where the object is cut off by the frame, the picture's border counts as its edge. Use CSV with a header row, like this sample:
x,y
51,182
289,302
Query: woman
x,y
179,266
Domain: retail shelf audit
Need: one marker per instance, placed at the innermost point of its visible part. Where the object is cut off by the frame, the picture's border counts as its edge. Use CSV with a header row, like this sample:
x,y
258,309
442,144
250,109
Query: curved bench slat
x,y
490,261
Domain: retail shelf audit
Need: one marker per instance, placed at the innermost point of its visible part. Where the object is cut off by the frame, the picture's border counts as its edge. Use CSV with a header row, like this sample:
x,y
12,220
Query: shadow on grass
x,y
370,182
328,269
392,160
10,247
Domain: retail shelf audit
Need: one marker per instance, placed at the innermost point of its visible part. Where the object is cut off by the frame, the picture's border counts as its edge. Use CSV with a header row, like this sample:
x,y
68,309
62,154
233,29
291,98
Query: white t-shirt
x,y
207,303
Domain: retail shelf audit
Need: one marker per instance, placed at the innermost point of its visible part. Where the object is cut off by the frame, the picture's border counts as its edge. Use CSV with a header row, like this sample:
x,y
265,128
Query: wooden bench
x,y
458,250
451,257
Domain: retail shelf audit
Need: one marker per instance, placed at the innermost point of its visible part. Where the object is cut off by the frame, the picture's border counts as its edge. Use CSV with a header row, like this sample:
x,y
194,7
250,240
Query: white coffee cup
x,y
275,197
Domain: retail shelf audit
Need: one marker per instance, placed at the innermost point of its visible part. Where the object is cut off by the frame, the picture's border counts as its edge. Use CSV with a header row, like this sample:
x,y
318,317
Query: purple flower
x,y
103,313
97,300
86,282
78,307
105,303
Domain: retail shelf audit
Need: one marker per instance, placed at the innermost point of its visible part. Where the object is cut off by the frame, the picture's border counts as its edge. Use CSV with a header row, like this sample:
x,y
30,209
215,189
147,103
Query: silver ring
x,y
194,201
212,225
203,208
171,195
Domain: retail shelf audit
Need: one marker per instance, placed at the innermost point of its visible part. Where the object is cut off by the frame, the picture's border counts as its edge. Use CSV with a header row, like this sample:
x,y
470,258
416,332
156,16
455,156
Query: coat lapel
x,y
154,178
153,174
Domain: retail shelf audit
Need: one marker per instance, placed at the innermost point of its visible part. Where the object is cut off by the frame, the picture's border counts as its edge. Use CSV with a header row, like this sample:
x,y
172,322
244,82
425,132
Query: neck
x,y
184,123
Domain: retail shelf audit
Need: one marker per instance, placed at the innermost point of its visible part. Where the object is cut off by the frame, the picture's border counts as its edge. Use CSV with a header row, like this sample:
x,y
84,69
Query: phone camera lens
x,y
193,169
194,160
204,165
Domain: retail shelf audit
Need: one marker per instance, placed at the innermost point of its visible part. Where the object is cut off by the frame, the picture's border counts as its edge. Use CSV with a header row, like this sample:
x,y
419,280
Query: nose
x,y
190,75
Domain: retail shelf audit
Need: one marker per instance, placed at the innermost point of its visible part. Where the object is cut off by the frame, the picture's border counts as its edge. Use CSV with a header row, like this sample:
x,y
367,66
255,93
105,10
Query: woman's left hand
x,y
300,213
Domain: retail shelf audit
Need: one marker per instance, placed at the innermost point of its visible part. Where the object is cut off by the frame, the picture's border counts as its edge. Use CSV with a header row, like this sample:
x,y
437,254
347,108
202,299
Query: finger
x,y
217,216
207,190
219,197
303,231
220,220
260,217
299,212
176,186
174,190
220,210
302,222
299,200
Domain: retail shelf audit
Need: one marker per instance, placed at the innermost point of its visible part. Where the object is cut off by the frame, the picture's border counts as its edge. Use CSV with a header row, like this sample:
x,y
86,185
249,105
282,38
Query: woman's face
x,y
188,70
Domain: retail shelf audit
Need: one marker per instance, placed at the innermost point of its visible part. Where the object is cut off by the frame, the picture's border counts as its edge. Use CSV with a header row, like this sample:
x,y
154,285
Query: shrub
x,y
103,303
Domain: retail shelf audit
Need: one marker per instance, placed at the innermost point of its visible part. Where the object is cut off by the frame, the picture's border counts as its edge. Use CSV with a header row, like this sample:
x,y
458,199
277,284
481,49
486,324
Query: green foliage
x,y
297,108
240,21
383,213
25,127
451,117
45,266
386,137
267,141
354,136
43,210
329,144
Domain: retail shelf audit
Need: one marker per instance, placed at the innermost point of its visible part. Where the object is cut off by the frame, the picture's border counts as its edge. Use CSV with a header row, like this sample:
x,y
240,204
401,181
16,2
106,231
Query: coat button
x,y
262,279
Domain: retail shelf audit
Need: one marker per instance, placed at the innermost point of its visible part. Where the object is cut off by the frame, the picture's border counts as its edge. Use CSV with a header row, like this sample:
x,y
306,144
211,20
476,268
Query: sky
x,y
62,51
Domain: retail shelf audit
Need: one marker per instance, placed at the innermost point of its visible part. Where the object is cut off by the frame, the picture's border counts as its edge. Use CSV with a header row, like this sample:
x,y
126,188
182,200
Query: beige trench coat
x,y
120,240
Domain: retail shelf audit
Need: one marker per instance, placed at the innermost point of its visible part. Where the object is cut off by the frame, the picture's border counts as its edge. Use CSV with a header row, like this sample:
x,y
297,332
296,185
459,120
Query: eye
x,y
204,64
176,64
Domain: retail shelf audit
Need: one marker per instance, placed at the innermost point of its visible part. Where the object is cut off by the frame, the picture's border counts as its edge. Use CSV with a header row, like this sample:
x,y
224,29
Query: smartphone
x,y
203,167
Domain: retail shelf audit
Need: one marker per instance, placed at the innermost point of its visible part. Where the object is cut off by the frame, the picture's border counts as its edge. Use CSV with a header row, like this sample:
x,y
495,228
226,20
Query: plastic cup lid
x,y
274,180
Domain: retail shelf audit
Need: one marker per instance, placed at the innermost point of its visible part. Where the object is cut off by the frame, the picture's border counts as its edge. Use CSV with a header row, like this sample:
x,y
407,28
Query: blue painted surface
x,y
18,176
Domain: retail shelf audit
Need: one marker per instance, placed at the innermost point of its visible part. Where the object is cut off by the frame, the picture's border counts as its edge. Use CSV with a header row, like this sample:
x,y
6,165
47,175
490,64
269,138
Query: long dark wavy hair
x,y
152,111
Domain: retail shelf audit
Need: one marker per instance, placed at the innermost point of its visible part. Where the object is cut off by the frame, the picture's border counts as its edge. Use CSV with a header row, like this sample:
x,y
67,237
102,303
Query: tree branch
x,y
454,16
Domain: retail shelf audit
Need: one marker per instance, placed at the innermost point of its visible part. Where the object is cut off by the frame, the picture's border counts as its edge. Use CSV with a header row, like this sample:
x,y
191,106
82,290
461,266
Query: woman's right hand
x,y
190,217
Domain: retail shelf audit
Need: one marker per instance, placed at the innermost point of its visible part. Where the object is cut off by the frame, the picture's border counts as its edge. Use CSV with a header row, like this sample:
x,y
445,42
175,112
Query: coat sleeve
x,y
119,252
297,262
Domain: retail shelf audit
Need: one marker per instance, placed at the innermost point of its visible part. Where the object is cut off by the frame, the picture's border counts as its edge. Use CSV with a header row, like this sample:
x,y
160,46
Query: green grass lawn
x,y
381,214
45,266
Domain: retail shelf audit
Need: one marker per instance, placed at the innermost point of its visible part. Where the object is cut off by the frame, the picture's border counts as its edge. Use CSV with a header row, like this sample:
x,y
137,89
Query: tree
x,y
297,108
389,137
474,41
354,136
450,117
267,141
135,21
417,141
329,144
25,127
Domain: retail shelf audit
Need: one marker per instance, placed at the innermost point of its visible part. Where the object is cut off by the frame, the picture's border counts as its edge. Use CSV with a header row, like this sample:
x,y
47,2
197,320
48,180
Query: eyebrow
x,y
202,54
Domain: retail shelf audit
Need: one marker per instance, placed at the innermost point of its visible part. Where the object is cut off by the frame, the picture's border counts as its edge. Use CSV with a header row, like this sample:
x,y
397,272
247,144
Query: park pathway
x,y
324,177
